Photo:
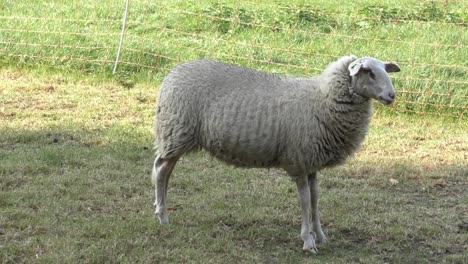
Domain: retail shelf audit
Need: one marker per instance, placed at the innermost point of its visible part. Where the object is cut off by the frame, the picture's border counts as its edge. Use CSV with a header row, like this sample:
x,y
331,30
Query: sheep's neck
x,y
348,120
348,108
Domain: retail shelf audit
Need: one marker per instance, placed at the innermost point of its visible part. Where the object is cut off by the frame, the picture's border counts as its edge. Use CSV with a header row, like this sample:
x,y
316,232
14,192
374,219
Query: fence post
x,y
122,34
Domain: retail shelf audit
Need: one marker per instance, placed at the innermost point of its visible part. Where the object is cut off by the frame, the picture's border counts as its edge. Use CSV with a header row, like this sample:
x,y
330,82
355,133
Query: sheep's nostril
x,y
391,95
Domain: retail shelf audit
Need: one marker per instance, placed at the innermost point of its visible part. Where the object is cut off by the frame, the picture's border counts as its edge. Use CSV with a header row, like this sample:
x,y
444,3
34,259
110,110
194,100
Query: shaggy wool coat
x,y
250,118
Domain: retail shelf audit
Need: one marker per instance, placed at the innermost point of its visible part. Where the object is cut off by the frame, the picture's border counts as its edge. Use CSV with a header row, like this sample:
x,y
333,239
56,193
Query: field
x,y
75,163
76,143
427,39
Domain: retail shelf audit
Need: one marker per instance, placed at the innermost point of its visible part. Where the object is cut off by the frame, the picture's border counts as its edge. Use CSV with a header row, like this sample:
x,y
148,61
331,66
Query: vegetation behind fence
x,y
426,38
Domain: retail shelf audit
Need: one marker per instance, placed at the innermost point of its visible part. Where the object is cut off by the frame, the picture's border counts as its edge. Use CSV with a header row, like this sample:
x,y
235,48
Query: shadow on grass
x,y
85,195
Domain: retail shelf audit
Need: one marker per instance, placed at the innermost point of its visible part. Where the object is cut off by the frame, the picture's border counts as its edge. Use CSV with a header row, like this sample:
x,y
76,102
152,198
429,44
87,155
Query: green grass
x,y
428,40
76,142
75,160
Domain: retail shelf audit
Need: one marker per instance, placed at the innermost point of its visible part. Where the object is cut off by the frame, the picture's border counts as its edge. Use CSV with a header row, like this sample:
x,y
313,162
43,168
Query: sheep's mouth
x,y
385,101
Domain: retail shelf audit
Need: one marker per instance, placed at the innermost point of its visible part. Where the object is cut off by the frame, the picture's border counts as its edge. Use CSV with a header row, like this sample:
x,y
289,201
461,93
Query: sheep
x,y
249,118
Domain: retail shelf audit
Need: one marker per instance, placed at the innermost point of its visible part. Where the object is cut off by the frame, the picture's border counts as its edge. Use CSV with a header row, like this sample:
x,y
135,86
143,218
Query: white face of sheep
x,y
371,79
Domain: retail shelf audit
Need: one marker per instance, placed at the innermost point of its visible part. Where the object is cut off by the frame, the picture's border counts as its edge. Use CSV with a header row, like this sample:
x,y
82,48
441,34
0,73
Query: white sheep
x,y
249,118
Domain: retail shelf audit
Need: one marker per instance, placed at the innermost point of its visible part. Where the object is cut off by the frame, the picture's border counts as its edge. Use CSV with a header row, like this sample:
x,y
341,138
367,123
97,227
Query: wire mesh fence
x,y
427,38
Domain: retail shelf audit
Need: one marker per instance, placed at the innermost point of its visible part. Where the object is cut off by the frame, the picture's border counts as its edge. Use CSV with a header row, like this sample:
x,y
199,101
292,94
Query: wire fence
x,y
426,38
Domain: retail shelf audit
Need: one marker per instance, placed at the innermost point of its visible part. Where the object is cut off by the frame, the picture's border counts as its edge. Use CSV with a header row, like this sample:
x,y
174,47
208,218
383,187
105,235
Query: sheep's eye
x,y
369,72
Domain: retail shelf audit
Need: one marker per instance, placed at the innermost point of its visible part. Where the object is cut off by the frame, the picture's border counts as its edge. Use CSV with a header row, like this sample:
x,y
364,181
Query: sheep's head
x,y
370,79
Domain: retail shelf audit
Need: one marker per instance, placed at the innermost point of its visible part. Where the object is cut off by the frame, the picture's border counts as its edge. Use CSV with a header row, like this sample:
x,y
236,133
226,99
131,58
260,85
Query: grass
x,y
426,38
76,141
76,155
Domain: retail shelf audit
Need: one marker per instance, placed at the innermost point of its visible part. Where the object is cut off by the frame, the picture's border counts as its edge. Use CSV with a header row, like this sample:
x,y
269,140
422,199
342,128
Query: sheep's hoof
x,y
321,238
164,221
163,218
309,246
312,250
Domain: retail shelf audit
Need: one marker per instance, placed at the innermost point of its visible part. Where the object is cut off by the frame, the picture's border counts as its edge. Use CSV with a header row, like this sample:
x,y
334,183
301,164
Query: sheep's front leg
x,y
162,169
304,196
314,194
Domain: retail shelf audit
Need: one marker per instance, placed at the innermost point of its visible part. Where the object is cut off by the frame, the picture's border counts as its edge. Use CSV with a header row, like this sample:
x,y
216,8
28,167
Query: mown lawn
x,y
75,160
76,142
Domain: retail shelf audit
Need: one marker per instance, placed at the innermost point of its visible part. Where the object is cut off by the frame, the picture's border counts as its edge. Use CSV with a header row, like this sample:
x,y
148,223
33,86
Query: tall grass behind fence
x,y
426,38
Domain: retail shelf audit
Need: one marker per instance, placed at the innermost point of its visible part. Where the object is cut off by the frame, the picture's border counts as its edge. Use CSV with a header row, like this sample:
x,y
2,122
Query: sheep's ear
x,y
392,67
354,67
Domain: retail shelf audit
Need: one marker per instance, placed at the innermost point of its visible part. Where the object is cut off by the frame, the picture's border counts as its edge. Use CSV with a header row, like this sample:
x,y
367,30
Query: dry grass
x,y
75,156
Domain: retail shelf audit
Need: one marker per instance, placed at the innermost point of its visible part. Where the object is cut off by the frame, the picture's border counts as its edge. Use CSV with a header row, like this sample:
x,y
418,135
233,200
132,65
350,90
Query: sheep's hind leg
x,y
304,196
314,194
162,169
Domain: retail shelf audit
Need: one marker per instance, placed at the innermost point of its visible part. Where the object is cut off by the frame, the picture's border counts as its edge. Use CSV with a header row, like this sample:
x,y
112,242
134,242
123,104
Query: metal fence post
x,y
122,34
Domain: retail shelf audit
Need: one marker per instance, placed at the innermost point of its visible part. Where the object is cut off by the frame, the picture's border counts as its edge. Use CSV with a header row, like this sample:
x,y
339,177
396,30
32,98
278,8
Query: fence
x,y
426,38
